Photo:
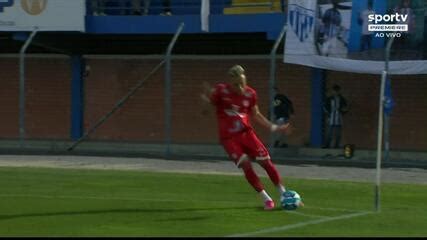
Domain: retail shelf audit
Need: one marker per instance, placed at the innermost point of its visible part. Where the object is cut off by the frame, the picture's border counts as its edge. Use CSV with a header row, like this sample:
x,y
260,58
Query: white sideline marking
x,y
305,214
302,224
332,209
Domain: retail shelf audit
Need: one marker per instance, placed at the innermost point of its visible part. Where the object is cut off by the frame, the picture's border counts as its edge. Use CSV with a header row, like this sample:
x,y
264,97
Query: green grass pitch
x,y
71,202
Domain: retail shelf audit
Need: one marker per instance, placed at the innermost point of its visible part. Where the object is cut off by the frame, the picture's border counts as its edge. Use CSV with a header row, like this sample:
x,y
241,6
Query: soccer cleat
x,y
269,205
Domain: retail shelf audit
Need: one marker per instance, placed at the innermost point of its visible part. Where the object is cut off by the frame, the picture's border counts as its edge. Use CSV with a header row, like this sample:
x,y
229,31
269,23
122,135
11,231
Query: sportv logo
x,y
387,18
34,7
398,22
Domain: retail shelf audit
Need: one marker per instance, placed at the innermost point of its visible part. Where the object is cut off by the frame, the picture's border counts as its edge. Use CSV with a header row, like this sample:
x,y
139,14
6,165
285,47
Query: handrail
x,y
22,86
168,92
127,9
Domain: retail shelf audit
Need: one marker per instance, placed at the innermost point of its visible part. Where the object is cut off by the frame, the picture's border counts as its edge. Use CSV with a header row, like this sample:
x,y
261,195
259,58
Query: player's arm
x,y
263,121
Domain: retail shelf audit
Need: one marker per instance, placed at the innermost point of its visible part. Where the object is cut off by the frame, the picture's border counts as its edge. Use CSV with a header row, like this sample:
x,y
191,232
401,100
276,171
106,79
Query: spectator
x,y
335,107
166,8
405,9
366,39
136,7
283,109
98,7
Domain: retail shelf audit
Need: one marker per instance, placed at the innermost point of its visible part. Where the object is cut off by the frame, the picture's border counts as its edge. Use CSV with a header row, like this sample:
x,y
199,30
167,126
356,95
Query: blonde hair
x,y
236,70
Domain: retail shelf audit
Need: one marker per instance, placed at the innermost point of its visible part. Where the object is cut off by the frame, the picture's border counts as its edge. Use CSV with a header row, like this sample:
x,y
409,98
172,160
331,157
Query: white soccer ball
x,y
290,200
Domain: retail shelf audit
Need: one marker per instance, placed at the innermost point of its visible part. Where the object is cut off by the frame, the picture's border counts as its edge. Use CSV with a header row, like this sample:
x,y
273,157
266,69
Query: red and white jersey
x,y
233,109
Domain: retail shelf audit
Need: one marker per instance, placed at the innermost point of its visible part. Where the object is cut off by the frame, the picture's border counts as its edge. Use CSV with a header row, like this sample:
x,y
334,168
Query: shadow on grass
x,y
120,211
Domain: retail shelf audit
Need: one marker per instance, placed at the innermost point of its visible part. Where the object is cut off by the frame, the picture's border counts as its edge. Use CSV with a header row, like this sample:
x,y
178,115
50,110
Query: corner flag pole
x,y
387,116
380,125
379,143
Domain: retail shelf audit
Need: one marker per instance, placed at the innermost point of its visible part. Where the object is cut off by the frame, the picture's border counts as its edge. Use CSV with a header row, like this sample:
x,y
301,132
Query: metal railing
x,y
170,7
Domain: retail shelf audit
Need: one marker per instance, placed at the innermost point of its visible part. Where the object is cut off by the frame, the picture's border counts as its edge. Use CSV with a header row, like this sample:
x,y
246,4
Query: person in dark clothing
x,y
98,7
136,5
166,8
283,109
335,107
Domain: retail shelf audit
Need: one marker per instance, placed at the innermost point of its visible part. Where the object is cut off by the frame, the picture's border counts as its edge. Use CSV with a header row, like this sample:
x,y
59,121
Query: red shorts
x,y
245,145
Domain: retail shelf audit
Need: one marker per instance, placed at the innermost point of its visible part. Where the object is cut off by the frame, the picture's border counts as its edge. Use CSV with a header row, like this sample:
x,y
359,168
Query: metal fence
x,y
180,7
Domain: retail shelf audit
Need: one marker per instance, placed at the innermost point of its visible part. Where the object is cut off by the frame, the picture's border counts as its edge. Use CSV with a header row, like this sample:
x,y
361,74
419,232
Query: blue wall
x,y
317,95
178,7
77,93
119,19
270,23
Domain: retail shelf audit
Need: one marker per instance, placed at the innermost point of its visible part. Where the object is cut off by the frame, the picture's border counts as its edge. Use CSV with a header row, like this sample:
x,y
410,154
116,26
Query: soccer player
x,y
235,102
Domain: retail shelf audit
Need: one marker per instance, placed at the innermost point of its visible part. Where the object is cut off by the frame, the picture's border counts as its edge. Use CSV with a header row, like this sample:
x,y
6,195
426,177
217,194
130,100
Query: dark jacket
x,y
283,107
335,106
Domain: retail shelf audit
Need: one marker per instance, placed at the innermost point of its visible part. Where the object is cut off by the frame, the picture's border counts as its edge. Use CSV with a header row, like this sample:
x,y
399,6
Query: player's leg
x,y
254,180
338,136
242,161
329,136
259,152
273,174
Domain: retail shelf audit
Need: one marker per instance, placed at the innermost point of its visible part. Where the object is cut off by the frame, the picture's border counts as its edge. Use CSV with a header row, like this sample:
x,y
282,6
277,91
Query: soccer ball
x,y
290,200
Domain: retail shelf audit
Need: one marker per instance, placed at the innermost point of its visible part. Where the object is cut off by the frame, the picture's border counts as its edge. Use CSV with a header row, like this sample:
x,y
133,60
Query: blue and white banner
x,y
46,15
351,36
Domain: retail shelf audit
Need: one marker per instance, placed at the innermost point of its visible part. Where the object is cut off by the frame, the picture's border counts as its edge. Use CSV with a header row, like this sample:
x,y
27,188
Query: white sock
x,y
281,189
265,196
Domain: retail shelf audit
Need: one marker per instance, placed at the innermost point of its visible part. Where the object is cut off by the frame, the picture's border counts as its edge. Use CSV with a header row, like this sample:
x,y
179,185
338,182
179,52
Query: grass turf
x,y
70,202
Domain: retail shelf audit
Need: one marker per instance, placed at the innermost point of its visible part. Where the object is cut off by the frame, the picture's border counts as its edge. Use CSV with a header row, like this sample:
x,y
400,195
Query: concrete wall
x,y
141,119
